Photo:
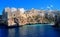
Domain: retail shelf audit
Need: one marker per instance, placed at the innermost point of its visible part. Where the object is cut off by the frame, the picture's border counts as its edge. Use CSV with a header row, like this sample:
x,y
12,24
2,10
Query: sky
x,y
29,4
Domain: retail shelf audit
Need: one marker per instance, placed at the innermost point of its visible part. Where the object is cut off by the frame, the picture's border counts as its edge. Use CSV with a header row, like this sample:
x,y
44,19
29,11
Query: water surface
x,y
38,30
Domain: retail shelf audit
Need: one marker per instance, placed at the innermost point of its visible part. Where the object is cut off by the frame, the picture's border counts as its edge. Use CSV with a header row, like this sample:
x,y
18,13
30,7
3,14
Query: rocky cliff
x,y
13,16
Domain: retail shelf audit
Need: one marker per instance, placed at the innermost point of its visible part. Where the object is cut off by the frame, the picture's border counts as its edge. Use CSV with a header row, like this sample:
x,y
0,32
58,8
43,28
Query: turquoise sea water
x,y
37,30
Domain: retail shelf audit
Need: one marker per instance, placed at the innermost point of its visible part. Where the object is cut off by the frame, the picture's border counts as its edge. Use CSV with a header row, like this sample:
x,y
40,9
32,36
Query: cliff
x,y
18,17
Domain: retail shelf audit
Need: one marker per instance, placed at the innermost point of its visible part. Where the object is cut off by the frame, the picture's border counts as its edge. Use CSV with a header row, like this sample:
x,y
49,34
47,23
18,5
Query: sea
x,y
34,30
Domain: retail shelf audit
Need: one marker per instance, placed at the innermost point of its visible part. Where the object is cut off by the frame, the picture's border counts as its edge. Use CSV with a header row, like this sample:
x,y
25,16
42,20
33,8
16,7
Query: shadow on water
x,y
3,32
57,30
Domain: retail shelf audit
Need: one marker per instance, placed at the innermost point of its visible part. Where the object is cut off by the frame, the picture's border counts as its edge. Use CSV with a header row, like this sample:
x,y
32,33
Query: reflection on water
x,y
31,31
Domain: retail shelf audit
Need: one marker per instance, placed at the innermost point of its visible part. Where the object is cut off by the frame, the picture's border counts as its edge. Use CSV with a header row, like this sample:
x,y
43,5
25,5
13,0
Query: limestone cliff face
x,y
13,16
